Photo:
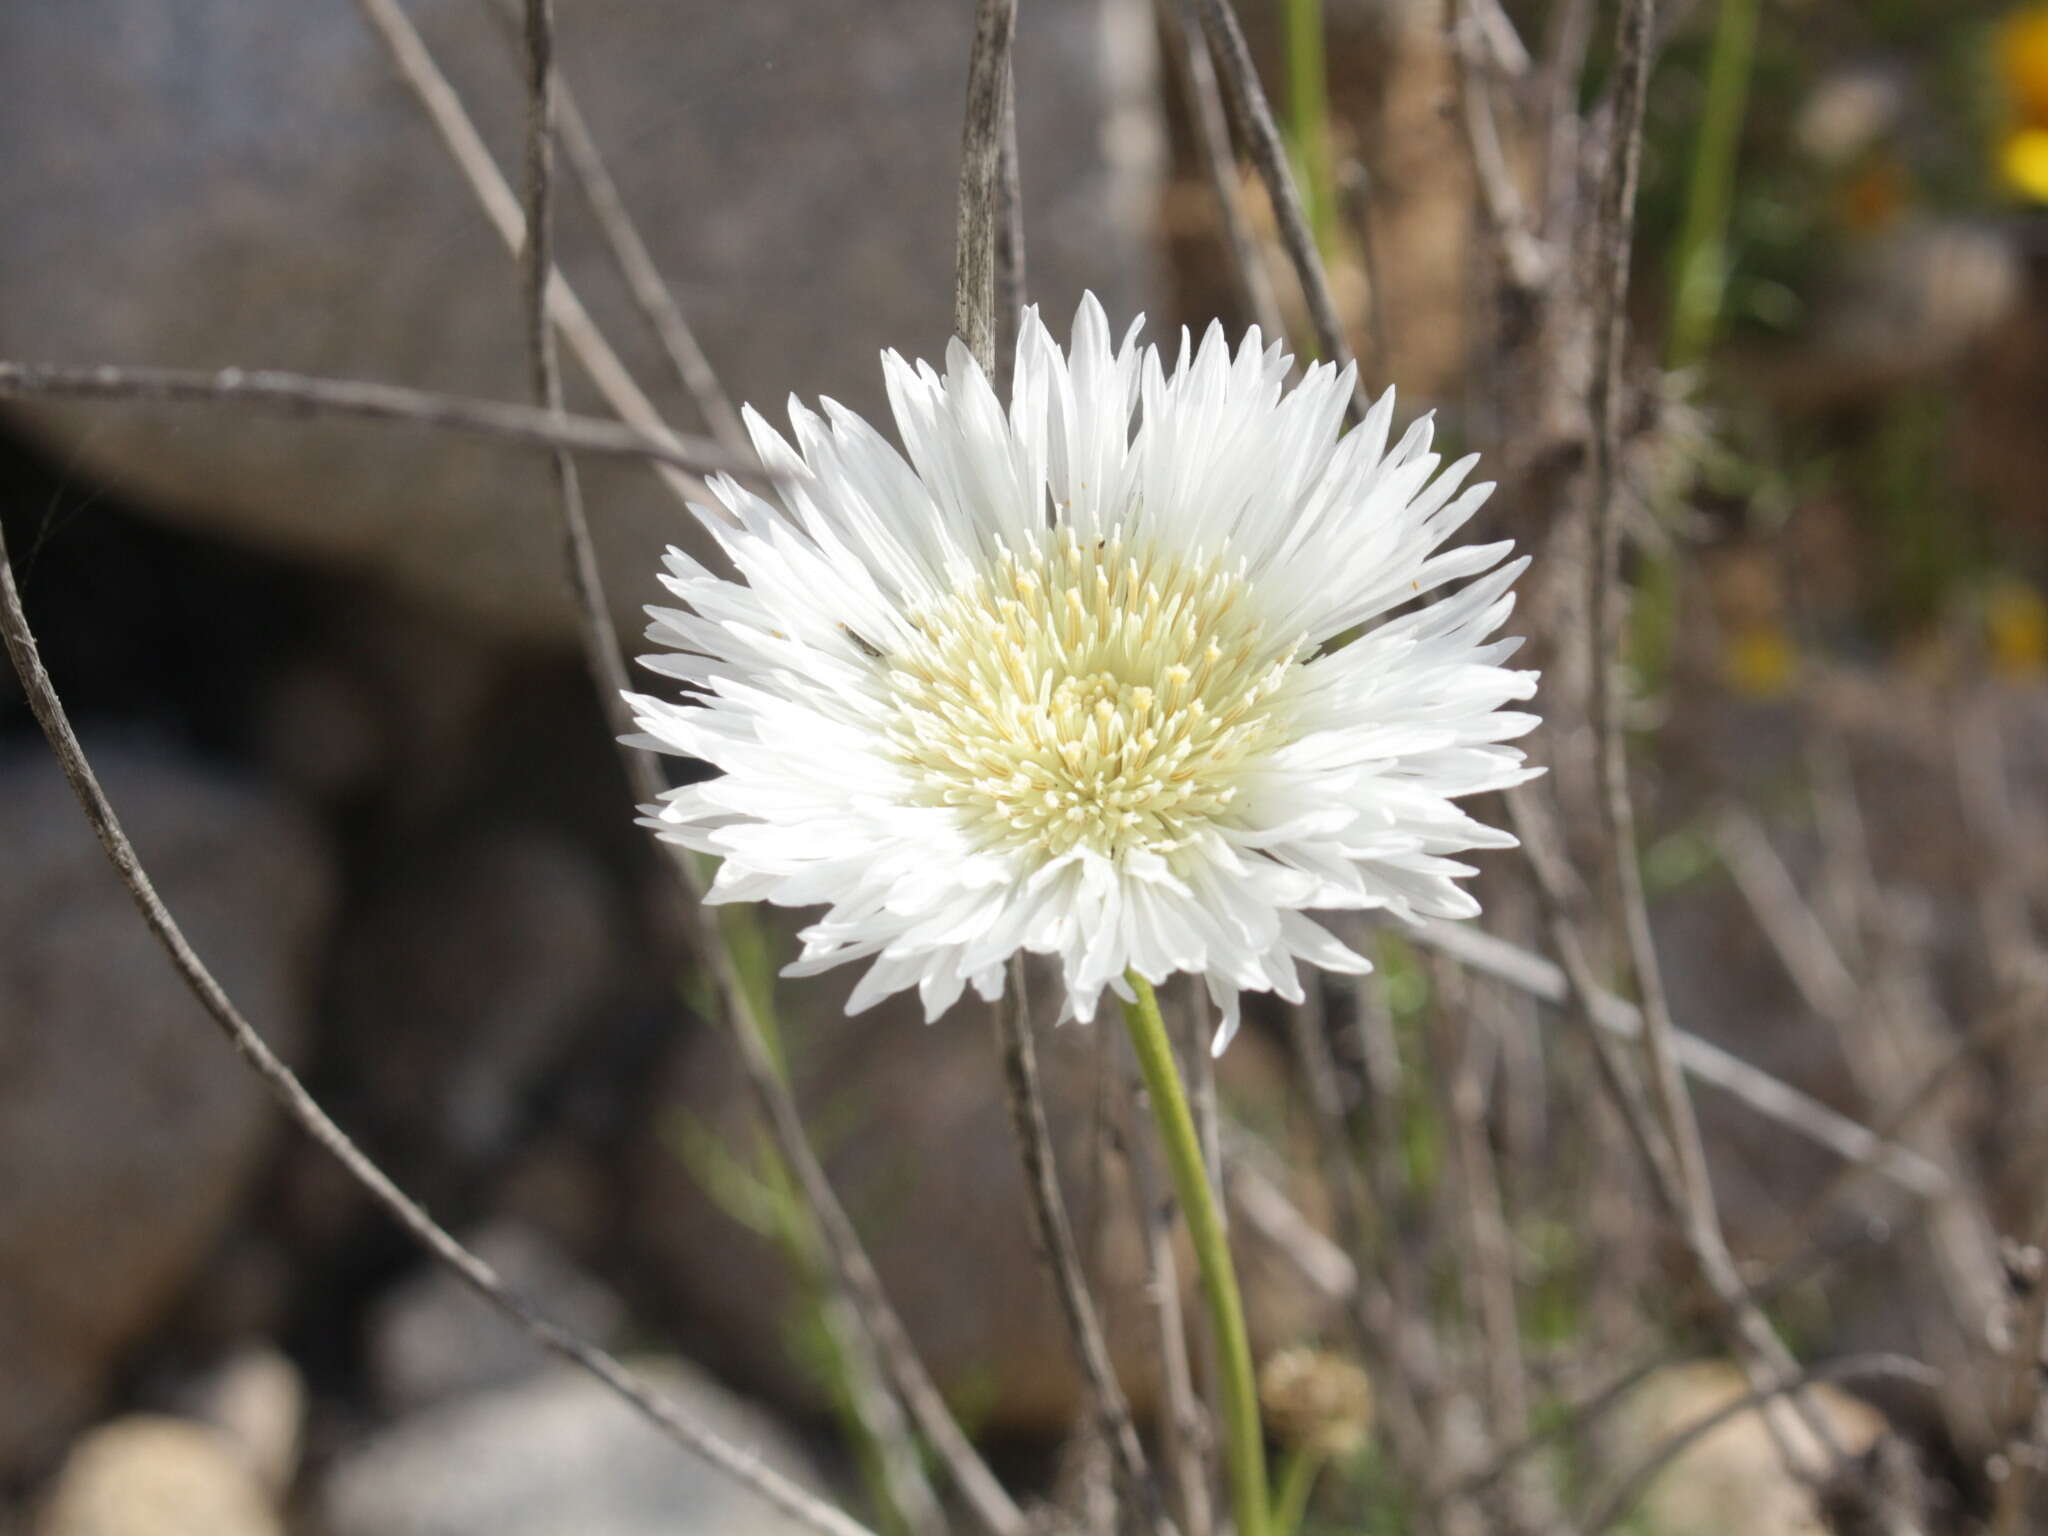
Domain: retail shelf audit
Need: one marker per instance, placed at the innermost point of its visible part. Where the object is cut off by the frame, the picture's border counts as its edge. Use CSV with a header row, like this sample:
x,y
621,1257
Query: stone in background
x,y
560,1454
147,1475
128,1130
216,183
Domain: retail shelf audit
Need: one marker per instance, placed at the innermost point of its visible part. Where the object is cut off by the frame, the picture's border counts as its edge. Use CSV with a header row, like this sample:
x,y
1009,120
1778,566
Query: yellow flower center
x,y
1100,695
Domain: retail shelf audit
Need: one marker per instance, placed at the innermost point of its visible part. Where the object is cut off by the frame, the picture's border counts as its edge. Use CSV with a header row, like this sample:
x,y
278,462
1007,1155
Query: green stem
x,y
1298,1469
1308,117
1701,260
1244,1440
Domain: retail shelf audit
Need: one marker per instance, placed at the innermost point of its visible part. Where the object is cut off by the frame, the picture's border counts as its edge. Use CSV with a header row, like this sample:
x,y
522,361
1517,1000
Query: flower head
x,y
1133,675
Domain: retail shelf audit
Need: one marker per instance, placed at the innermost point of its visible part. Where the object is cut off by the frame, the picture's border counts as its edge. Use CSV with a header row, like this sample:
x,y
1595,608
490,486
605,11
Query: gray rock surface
x,y
217,183
558,1456
432,1338
127,1129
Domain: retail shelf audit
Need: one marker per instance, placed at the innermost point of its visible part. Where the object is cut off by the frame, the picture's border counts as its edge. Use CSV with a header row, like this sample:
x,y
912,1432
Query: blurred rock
x,y
127,1129
218,184
1850,109
432,1338
559,1456
245,1291
1922,755
1731,1479
320,731
256,1400
147,1476
1904,303
913,1127
468,974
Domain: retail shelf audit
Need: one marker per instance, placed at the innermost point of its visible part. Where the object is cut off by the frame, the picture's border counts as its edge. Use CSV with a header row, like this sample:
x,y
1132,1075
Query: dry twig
x,y
294,394
1186,1435
862,1287
1054,1231
473,158
1525,261
659,311
902,1471
658,307
1748,1331
1196,72
1486,1268
1547,981
1361,1209
1010,286
982,135
742,1465
1260,137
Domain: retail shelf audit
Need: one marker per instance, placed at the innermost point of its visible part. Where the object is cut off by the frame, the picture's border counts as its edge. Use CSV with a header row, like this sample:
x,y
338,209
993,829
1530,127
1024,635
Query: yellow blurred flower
x,y
1760,661
2016,629
2023,61
2022,50
2023,162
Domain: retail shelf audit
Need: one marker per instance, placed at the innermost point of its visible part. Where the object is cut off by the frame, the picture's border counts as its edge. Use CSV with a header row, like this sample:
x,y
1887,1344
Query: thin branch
x,y
1525,261
1054,1231
1576,1418
1260,137
1891,1039
1614,232
1630,1490
1546,981
1787,919
1196,72
984,1493
993,1507
1487,1271
1495,31
899,1459
1373,1314
1568,30
473,158
1186,1434
293,394
981,154
1763,1351
1748,1331
1010,286
658,307
742,1465
902,1472
1900,1117
2023,1448
630,256
600,643
1266,1211
1794,1269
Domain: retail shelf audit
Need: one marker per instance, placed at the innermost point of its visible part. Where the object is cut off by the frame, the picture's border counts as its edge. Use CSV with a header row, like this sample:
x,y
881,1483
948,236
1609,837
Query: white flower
x,y
1109,678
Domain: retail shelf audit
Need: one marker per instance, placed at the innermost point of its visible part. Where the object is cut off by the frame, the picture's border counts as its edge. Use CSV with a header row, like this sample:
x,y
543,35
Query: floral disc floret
x,y
1097,695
